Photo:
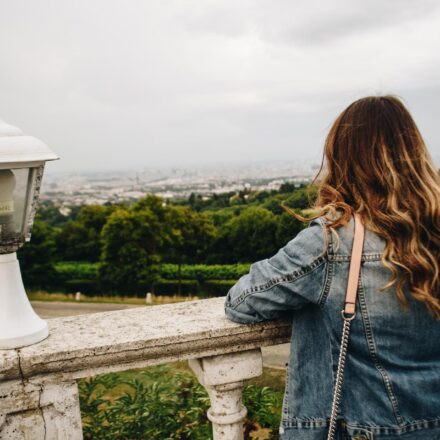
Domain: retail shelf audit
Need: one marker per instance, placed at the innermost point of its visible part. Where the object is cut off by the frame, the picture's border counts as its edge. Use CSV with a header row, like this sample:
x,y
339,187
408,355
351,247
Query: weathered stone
x,y
86,345
223,377
60,406
38,395
228,368
17,396
9,365
34,411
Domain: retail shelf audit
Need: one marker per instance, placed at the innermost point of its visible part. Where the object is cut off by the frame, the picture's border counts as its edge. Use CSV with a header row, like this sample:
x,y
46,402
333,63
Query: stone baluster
x,y
223,377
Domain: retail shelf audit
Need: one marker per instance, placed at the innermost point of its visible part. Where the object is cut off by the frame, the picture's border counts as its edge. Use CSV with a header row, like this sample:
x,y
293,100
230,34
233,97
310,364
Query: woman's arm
x,y
293,277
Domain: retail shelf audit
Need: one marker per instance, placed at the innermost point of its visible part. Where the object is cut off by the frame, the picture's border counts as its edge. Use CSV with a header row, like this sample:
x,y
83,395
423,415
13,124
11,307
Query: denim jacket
x,y
391,386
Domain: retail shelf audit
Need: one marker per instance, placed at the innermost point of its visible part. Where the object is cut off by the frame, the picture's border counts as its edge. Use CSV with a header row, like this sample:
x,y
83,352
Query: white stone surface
x,y
86,345
9,364
223,377
38,394
32,411
227,368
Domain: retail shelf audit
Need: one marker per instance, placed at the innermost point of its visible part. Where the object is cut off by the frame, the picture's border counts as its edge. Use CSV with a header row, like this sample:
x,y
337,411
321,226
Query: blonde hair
x,y
376,164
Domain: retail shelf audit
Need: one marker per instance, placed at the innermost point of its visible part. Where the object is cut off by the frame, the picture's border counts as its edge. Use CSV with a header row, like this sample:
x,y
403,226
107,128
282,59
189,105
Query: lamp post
x,y
22,160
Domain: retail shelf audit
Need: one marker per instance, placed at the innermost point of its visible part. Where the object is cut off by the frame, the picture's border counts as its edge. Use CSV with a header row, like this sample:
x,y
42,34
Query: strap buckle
x,y
346,317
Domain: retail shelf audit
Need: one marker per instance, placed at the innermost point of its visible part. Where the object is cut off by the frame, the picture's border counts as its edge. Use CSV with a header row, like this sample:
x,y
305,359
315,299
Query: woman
x,y
377,165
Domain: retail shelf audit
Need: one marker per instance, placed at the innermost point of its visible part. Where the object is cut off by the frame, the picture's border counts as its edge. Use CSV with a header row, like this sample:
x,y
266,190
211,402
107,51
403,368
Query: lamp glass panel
x,y
14,187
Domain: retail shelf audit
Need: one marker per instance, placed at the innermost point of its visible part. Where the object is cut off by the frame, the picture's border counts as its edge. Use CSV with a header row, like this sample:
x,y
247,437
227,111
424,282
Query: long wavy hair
x,y
376,163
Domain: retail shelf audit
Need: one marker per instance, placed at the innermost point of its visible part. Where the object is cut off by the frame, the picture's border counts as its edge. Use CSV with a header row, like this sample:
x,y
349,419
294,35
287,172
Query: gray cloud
x,y
345,19
113,84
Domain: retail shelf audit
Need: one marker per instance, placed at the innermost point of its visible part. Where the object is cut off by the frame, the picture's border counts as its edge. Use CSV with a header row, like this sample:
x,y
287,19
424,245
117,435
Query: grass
x,y
70,297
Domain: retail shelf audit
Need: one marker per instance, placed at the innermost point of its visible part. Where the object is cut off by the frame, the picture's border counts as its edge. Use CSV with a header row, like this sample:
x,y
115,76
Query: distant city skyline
x,y
79,188
116,85
238,166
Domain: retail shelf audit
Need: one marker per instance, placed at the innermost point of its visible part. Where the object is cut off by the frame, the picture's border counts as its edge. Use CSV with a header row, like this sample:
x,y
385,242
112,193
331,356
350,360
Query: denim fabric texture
x,y
391,386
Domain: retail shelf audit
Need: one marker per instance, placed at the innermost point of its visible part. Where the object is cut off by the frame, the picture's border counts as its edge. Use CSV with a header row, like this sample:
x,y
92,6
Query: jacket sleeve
x,y
293,277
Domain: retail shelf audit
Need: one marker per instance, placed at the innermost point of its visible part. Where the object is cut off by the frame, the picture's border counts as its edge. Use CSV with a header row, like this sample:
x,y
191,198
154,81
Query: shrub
x,y
171,287
87,287
162,403
196,279
77,270
205,271
216,287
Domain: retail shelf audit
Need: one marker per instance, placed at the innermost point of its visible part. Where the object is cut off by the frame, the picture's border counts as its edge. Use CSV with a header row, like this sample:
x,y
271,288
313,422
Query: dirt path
x,y
54,309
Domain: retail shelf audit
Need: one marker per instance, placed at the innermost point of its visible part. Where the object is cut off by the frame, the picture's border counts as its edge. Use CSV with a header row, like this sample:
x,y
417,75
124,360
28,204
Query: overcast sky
x,y
127,84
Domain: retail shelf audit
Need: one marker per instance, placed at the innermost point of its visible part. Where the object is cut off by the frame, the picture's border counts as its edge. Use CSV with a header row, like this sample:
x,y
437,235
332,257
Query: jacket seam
x,y
327,283
329,270
416,425
403,428
365,257
285,403
373,353
273,282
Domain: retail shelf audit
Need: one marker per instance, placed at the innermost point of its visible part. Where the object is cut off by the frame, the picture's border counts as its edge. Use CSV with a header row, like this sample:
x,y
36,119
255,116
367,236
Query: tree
x,y
189,235
287,187
37,257
51,214
250,236
153,203
288,228
273,204
80,238
131,241
220,216
302,197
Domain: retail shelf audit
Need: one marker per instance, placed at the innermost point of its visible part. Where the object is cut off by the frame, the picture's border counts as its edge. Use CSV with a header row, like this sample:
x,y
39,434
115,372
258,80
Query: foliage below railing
x,y
160,402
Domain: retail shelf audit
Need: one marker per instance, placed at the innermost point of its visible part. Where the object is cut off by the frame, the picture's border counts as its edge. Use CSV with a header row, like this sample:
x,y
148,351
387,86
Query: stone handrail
x,y
38,392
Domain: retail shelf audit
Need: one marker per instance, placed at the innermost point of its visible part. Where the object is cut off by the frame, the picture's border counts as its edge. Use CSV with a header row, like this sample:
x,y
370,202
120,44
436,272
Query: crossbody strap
x,y
355,266
348,313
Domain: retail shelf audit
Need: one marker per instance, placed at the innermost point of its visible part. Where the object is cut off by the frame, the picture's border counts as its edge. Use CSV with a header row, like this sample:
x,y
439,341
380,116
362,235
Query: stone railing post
x,y
223,377
39,411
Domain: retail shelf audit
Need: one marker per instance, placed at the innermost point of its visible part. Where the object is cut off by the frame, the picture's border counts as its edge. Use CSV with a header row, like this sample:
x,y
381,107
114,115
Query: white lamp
x,y
22,160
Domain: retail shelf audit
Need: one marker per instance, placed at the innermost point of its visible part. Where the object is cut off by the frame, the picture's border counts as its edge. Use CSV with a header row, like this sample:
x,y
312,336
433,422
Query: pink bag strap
x,y
355,266
348,314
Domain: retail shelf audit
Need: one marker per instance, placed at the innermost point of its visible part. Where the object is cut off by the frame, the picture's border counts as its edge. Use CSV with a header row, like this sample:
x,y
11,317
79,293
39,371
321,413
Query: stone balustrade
x,y
38,391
